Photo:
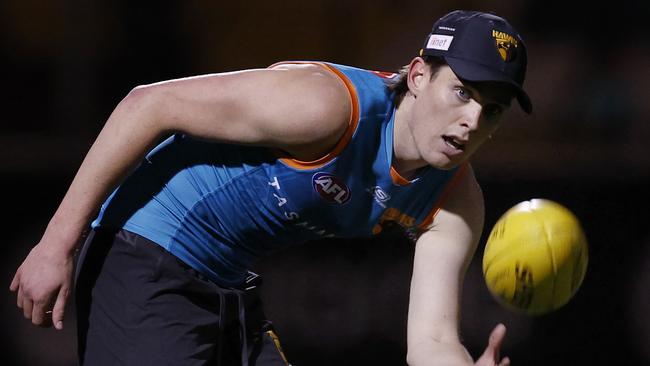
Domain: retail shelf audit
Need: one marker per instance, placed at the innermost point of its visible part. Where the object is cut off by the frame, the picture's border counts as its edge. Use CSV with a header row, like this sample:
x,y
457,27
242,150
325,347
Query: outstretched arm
x,y
302,109
442,256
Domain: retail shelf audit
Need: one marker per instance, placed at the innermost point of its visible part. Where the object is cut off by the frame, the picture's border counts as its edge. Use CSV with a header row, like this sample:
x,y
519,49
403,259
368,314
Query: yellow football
x,y
536,257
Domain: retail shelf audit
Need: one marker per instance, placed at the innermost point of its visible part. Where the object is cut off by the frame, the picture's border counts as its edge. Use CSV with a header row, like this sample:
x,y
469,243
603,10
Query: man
x,y
261,159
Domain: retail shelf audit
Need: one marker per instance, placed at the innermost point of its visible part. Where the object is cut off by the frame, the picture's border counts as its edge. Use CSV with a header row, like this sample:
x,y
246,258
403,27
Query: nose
x,y
472,115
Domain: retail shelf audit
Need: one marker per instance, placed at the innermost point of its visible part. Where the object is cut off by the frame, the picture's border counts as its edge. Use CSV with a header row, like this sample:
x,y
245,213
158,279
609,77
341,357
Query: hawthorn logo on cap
x,y
506,45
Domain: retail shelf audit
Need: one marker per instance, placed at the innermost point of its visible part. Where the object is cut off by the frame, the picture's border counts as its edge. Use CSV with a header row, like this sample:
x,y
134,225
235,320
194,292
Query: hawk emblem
x,y
506,45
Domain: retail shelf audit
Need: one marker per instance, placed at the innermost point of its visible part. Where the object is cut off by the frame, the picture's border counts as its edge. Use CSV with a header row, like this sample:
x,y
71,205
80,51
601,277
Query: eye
x,y
463,94
492,110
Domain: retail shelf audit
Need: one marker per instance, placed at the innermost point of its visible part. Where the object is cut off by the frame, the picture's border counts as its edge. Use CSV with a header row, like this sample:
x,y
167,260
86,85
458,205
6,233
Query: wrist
x,y
63,235
436,353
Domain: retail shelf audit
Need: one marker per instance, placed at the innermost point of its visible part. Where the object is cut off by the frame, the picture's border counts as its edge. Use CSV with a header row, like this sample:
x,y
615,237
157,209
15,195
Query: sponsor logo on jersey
x,y
380,196
393,216
331,188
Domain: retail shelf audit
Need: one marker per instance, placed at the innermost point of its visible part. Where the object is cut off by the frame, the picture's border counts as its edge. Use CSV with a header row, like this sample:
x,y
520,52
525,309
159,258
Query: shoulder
x,y
321,79
323,105
346,81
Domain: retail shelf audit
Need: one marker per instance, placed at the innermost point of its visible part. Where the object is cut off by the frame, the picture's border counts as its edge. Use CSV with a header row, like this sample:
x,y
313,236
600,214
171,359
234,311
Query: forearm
x,y
129,133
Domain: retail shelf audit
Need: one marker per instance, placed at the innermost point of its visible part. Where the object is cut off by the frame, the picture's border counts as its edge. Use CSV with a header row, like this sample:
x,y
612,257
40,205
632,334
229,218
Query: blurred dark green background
x,y
66,64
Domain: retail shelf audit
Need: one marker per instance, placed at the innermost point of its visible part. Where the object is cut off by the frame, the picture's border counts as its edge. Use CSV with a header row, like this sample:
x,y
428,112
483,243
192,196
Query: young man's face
x,y
450,119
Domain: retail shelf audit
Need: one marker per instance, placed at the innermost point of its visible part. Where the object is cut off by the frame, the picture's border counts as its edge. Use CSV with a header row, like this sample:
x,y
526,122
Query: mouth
x,y
455,142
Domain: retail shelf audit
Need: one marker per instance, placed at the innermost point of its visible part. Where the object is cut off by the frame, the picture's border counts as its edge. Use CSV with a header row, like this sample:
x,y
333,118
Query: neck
x,y
406,157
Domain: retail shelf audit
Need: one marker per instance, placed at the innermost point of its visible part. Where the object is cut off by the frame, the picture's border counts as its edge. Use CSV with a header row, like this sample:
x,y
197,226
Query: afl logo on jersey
x,y
331,188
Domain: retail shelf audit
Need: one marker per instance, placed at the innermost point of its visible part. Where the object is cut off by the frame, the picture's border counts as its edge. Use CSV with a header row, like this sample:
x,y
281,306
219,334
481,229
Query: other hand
x,y
491,355
43,284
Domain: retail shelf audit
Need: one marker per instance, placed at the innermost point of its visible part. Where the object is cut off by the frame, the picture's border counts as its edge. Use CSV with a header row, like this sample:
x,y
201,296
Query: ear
x,y
417,75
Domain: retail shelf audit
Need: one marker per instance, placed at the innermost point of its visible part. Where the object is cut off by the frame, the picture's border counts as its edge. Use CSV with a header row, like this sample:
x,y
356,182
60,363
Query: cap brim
x,y
473,72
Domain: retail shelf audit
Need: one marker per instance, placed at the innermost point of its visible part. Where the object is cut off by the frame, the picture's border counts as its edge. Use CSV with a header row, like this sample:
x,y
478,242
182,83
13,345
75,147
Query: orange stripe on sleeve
x,y
352,123
443,197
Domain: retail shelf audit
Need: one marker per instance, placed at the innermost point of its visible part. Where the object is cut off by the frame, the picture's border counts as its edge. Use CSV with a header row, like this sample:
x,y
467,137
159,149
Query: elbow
x,y
142,96
143,104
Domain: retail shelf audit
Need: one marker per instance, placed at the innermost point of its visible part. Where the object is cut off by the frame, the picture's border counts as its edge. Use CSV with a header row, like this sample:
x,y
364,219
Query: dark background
x,y
66,64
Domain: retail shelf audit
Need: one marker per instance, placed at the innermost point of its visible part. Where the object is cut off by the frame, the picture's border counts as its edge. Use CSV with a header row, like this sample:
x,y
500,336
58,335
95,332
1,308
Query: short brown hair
x,y
399,84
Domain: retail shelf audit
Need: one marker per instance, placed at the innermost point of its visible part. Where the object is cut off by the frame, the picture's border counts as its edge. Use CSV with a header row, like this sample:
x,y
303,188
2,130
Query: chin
x,y
443,163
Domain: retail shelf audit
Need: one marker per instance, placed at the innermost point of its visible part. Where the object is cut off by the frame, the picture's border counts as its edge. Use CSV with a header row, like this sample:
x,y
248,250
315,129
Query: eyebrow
x,y
501,99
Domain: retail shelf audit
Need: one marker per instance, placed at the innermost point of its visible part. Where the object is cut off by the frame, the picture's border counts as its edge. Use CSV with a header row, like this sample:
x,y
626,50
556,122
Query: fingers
x,y
497,336
19,297
496,339
42,285
27,307
59,308
491,355
15,281
37,311
40,314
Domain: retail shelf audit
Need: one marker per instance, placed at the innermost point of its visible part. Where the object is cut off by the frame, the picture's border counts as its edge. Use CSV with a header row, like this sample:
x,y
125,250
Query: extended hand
x,y
43,284
491,355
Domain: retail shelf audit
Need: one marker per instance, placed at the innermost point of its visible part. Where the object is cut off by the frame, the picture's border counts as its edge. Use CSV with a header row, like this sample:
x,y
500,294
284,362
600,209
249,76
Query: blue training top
x,y
218,207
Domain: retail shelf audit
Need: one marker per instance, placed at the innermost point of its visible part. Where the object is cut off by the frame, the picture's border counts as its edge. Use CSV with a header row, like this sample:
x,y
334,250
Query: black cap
x,y
480,47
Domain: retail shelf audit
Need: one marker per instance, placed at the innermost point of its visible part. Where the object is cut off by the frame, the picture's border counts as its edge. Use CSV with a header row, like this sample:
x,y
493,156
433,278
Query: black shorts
x,y
137,304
